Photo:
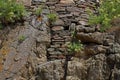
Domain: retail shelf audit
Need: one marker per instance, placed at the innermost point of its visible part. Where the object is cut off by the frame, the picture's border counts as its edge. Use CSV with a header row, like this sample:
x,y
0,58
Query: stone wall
x,y
41,56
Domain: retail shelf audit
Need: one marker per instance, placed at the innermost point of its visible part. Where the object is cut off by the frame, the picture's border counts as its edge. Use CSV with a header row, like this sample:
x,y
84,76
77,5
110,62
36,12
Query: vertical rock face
x,y
40,55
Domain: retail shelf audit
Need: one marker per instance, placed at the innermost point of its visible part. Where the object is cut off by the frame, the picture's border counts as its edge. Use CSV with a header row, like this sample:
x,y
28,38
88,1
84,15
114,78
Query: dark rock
x,y
115,74
111,61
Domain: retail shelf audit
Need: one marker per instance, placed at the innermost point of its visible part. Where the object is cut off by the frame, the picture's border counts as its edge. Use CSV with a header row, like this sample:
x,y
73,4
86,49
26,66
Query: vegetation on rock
x,y
52,17
11,11
38,11
21,38
75,45
107,11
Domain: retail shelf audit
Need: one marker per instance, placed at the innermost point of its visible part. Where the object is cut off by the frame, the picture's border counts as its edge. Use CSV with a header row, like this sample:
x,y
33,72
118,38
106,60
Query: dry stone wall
x,y
41,56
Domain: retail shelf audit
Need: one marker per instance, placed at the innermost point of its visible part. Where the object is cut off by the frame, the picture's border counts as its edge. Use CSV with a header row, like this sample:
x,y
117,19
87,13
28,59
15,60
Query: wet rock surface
x,y
41,54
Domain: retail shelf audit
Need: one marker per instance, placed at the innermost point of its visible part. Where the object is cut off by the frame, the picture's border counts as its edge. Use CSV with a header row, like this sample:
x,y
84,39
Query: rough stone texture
x,y
21,58
40,56
25,2
96,37
98,69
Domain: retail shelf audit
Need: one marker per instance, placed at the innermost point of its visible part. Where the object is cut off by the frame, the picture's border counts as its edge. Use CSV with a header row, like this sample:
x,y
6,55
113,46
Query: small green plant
x,y
52,17
21,38
74,47
11,11
107,11
38,11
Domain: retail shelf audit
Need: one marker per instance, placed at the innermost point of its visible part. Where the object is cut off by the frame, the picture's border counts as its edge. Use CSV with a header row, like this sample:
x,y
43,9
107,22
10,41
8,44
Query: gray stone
x,y
89,29
98,69
58,22
84,23
50,49
65,15
43,37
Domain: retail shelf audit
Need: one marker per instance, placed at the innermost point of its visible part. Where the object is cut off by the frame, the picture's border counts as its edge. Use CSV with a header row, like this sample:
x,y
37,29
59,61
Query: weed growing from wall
x,y
107,11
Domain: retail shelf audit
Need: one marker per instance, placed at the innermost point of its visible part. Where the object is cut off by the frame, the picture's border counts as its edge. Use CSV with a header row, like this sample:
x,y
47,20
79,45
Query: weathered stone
x,y
58,22
60,9
89,29
80,28
84,23
51,3
79,67
0,43
84,16
115,74
38,1
56,28
76,14
73,9
43,37
66,15
94,49
66,1
55,46
98,69
111,61
63,5
91,37
25,2
50,49
54,67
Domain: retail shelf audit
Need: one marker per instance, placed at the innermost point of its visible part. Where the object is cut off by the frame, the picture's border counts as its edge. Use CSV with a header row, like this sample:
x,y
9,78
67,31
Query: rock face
x,y
41,54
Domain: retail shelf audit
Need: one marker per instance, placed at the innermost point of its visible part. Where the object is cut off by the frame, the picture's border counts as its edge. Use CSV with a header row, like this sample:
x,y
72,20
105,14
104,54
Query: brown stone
x,y
0,42
56,28
96,37
94,49
66,1
60,9
25,2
